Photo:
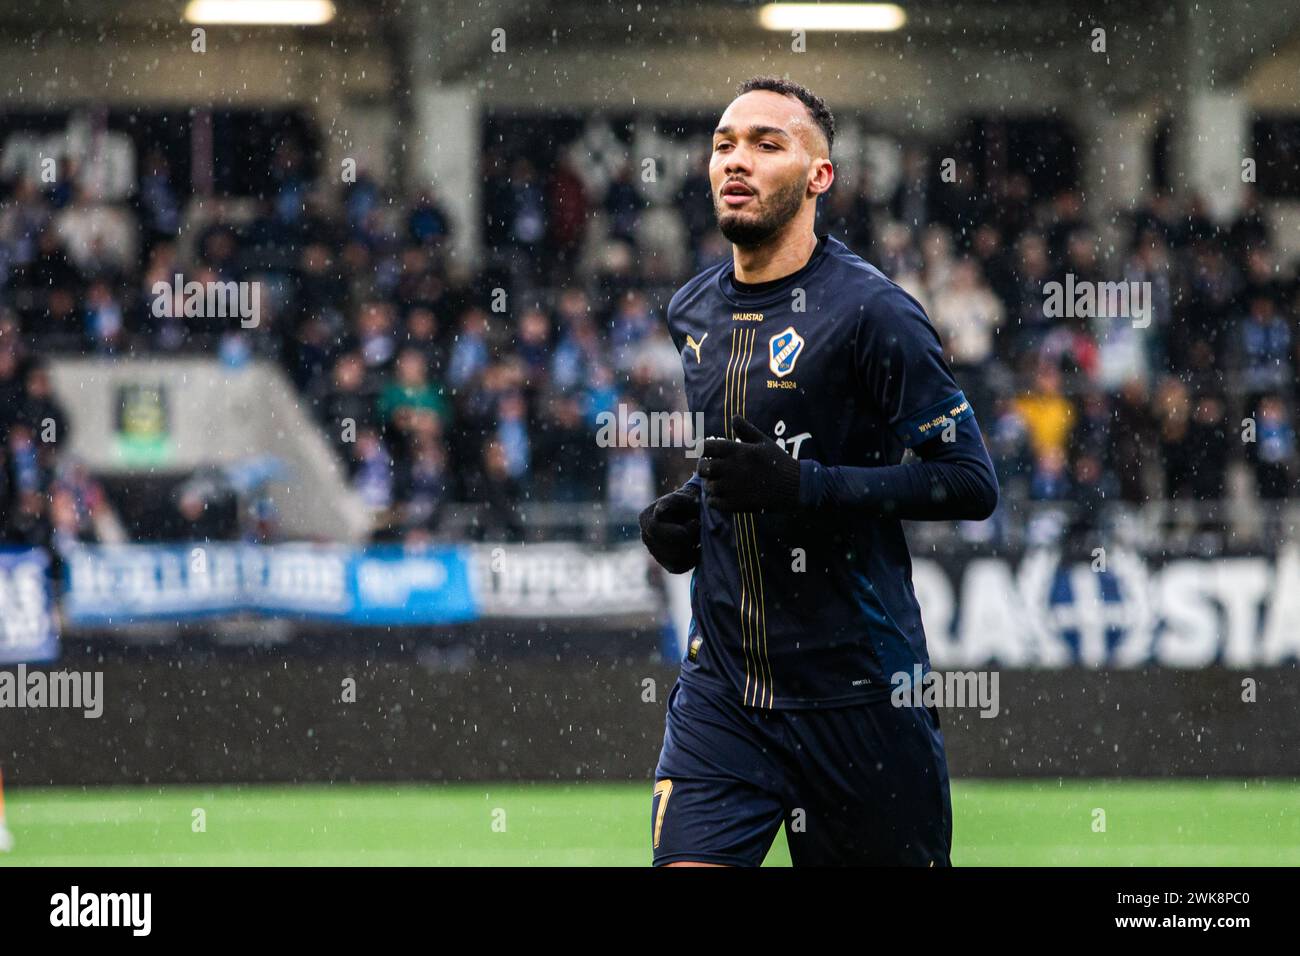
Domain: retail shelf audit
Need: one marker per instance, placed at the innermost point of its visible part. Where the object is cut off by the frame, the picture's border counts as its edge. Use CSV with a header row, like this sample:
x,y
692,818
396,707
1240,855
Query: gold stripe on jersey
x,y
762,607
749,610
753,611
737,349
756,570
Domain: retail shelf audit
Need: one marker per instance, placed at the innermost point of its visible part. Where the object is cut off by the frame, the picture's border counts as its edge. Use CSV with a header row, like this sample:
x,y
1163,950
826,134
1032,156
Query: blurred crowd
x,y
442,381
46,499
1160,402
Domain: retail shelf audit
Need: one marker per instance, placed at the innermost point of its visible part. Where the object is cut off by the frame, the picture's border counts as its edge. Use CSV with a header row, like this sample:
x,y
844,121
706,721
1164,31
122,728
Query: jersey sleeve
x,y
695,484
899,362
672,318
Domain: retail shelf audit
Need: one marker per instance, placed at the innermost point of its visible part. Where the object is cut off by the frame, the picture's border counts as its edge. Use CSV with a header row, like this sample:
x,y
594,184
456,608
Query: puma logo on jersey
x,y
692,344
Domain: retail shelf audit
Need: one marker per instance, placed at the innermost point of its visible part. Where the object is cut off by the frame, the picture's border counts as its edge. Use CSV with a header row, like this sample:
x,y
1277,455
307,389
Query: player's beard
x,y
747,229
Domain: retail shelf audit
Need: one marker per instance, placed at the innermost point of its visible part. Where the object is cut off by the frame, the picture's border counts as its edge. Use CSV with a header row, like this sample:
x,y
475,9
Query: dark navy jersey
x,y
814,607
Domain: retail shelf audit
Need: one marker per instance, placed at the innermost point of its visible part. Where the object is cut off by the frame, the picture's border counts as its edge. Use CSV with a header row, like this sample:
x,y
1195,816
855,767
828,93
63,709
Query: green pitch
x,y
1214,823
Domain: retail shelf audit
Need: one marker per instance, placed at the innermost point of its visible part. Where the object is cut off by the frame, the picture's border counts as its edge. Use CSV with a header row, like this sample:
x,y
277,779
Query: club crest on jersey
x,y
783,350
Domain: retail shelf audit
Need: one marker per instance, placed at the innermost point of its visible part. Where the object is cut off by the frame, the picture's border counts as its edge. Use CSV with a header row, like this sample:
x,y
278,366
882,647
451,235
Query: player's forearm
x,y
952,483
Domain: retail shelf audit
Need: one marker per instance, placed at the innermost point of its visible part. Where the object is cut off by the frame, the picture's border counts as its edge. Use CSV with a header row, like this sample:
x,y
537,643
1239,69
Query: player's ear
x,y
822,175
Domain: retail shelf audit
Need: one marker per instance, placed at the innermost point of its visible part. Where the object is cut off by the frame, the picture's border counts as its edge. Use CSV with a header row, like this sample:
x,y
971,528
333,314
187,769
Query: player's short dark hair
x,y
821,114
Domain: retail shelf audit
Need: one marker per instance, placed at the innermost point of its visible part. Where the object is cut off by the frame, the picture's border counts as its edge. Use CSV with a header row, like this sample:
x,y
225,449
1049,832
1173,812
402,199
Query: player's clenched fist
x,y
752,474
670,528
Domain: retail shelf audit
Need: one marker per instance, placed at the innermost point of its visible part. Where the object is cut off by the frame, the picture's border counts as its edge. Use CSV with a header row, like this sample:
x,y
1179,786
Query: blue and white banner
x,y
1117,610
27,626
124,584
395,585
381,585
1035,609
565,580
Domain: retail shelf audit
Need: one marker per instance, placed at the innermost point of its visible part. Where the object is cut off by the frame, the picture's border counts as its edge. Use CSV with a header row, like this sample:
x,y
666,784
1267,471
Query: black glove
x,y
670,528
753,474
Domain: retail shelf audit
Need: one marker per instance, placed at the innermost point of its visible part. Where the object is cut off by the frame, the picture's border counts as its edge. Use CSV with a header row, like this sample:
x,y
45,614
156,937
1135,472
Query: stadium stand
x,y
449,418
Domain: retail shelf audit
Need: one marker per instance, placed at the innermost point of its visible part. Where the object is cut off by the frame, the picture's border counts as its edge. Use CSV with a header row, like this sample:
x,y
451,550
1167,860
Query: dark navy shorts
x,y
861,785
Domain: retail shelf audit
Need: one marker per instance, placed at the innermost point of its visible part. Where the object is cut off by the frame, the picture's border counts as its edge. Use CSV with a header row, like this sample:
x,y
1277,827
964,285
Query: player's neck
x,y
785,254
